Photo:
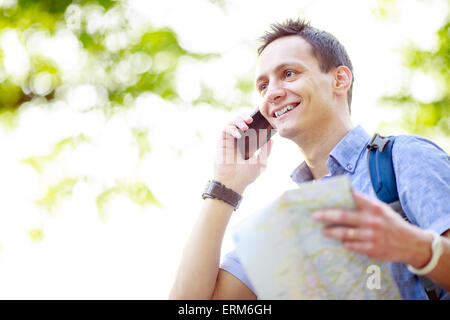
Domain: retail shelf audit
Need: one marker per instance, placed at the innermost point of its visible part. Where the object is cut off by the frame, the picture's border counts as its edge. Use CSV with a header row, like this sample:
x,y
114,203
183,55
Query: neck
x,y
316,146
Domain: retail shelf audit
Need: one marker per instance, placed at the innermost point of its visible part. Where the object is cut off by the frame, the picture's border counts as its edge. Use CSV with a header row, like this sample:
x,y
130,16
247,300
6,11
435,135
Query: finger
x,y
254,111
269,146
247,118
339,216
347,234
232,131
364,202
264,153
240,123
359,247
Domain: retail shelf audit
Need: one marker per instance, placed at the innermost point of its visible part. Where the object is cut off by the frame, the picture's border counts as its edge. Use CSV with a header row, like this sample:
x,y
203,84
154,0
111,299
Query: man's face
x,y
289,75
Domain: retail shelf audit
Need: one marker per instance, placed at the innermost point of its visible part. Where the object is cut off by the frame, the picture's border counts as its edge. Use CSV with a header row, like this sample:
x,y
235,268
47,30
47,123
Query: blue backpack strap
x,y
381,169
382,176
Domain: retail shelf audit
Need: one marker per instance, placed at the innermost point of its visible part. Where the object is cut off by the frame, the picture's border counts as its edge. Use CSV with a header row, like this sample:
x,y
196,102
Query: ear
x,y
342,80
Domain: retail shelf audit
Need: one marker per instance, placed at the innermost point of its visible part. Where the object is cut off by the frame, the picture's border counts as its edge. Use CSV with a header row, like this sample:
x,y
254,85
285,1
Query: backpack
x,y
382,176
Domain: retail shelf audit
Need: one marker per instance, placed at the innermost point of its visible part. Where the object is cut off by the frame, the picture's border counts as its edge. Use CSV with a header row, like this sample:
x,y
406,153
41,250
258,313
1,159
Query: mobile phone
x,y
257,134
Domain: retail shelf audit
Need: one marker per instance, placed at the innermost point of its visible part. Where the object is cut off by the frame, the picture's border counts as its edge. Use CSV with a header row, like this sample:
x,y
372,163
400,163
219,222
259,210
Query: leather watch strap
x,y
217,190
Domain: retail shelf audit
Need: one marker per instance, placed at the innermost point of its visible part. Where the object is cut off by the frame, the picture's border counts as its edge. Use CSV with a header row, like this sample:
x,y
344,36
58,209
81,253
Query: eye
x,y
262,87
289,73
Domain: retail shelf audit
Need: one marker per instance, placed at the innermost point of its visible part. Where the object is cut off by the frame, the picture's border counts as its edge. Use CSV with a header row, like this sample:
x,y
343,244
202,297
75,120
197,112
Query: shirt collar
x,y
344,155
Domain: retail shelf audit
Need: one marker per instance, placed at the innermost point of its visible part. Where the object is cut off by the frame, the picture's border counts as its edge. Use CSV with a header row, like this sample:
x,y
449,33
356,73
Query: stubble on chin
x,y
295,133
288,132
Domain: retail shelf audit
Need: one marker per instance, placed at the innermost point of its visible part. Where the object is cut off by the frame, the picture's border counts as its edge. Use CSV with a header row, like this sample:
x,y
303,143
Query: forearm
x,y
422,254
199,266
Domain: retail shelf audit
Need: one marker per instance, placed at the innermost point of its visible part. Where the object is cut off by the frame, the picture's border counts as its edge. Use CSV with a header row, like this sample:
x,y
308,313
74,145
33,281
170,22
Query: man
x,y
308,69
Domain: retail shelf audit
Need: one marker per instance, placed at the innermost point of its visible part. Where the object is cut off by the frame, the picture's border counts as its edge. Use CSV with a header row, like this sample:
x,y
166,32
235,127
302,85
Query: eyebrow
x,y
281,66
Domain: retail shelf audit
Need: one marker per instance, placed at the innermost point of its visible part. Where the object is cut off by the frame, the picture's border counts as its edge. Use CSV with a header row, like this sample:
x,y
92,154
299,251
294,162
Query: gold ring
x,y
351,233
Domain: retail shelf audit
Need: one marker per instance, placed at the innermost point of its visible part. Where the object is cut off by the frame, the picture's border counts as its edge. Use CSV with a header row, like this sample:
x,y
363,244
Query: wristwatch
x,y
436,249
217,190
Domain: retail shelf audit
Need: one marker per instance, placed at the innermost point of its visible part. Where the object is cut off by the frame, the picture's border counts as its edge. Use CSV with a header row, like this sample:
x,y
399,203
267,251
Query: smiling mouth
x,y
286,109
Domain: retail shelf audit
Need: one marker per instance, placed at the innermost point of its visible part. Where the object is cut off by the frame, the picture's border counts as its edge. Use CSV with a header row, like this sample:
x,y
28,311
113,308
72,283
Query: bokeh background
x,y
110,110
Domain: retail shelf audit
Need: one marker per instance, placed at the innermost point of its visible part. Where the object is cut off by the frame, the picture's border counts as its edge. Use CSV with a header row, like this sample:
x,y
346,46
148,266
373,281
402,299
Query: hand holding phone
x,y
257,134
249,133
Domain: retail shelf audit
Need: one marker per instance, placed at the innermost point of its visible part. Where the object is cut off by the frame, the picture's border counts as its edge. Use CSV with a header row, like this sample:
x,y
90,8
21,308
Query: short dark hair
x,y
328,51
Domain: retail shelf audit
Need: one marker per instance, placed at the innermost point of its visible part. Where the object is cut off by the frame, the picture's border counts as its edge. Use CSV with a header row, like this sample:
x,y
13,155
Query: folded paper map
x,y
285,255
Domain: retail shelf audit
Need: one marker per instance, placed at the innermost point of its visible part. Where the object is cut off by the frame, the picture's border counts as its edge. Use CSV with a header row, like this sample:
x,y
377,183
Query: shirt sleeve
x,y
422,171
232,264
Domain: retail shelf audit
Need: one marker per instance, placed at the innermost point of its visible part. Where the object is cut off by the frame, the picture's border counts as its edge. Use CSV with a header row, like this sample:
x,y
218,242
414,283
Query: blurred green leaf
x,y
208,96
122,60
138,192
10,94
56,193
159,44
36,235
385,9
245,84
422,117
141,136
92,43
39,162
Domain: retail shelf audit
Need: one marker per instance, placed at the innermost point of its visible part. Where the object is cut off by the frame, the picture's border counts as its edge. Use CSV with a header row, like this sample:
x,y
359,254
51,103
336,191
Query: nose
x,y
274,93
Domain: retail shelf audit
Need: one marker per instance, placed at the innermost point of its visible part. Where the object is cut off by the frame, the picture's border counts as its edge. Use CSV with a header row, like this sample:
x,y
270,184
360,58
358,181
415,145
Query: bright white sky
x,y
135,253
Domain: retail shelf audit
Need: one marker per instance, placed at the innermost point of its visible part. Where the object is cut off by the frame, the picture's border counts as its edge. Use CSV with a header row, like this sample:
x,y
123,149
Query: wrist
x,y
217,190
234,185
436,252
421,252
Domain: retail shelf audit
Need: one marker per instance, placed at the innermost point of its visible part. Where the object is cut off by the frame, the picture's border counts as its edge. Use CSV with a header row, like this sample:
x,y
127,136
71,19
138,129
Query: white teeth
x,y
284,110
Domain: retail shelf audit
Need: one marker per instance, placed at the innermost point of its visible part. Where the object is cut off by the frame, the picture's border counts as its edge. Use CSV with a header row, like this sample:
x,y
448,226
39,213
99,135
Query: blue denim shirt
x,y
422,171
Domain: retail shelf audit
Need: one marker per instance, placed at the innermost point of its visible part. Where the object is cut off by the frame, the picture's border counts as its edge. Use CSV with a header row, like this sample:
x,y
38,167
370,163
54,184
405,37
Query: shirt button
x,y
349,167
